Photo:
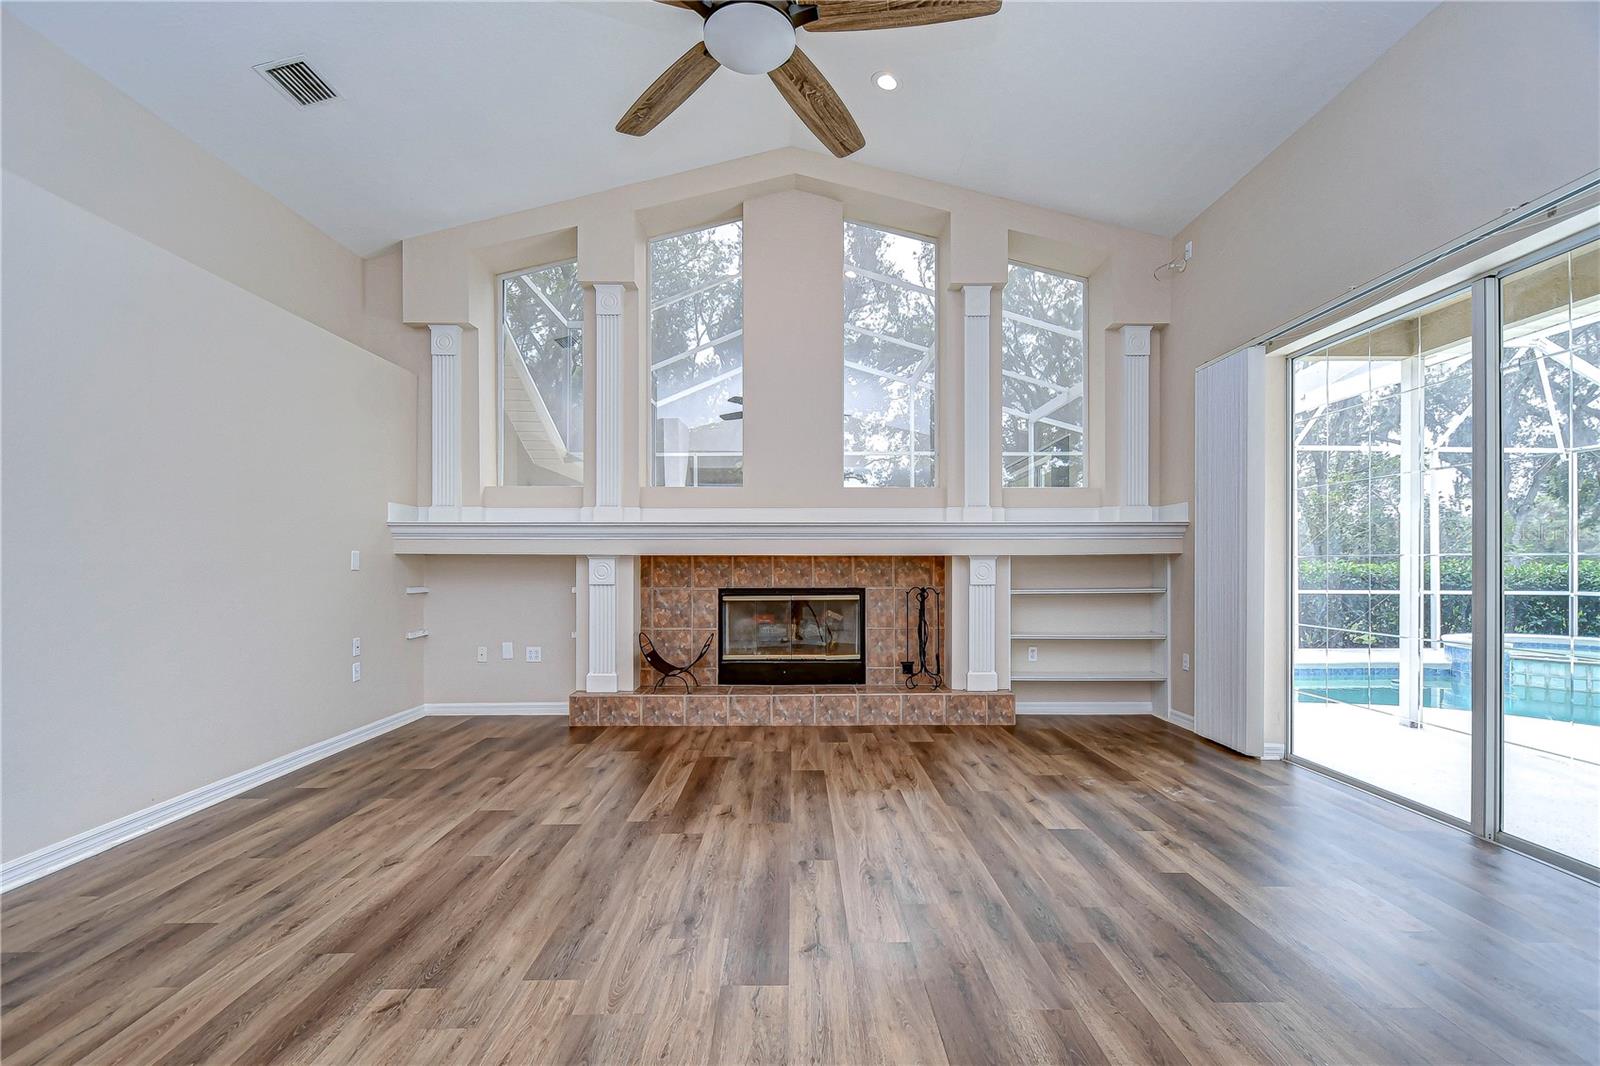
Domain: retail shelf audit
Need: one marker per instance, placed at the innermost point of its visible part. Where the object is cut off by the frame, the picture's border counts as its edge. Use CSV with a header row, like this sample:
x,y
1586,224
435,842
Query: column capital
x,y
1136,340
608,298
982,569
602,570
976,300
445,339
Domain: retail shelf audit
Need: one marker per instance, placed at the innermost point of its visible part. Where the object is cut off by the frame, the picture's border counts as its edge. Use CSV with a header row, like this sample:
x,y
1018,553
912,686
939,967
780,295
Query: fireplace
x,y
791,636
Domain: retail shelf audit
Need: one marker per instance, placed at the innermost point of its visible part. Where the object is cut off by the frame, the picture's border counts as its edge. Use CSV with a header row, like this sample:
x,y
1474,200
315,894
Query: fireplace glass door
x,y
792,636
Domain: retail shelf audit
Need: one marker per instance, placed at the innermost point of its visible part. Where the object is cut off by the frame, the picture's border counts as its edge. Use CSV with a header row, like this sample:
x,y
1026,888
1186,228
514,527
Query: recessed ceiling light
x,y
886,81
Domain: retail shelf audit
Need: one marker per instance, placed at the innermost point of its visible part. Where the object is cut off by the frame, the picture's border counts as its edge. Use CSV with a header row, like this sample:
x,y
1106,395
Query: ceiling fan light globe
x,y
749,37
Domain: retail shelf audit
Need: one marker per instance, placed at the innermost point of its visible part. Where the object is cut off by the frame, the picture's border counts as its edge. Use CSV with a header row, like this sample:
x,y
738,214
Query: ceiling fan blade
x,y
892,14
699,7
667,92
818,106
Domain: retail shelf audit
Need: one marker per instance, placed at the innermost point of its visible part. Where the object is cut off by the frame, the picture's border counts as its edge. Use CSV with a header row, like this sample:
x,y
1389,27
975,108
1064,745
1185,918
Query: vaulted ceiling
x,y
1139,114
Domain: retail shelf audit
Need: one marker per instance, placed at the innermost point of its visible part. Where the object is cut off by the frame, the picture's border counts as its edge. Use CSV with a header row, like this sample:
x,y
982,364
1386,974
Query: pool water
x,y
1535,687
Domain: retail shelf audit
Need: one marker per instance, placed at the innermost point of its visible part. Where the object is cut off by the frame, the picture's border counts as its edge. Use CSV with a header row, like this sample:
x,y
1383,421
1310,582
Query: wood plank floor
x,y
1074,890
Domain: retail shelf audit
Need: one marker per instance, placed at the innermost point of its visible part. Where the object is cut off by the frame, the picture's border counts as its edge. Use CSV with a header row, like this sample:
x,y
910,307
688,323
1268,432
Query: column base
x,y
600,683
989,682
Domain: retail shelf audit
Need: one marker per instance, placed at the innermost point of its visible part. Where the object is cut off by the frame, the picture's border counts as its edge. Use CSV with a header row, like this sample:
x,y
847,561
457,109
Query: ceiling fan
x,y
758,37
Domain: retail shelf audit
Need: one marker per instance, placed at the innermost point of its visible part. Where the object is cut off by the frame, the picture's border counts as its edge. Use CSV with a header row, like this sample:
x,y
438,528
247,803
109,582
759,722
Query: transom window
x,y
541,376
697,357
1042,384
890,356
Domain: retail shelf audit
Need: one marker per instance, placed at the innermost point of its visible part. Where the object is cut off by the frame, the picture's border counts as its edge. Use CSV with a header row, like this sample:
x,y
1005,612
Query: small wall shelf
x,y
1089,675
416,590
416,634
1141,591
1088,636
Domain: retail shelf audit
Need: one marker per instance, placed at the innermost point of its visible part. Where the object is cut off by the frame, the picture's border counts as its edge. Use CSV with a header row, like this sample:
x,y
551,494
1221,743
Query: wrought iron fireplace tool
x,y
923,629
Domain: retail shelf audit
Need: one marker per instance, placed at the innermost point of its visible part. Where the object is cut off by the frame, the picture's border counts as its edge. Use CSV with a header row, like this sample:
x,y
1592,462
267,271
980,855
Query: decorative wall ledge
x,y
778,531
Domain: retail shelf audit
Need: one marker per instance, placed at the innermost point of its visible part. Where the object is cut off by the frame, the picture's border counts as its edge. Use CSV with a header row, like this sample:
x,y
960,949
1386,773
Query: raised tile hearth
x,y
793,705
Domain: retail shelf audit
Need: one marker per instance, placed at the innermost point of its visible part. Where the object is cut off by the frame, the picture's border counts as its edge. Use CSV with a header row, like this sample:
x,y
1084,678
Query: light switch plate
x,y
507,650
535,654
355,671
1186,660
355,560
483,654
355,647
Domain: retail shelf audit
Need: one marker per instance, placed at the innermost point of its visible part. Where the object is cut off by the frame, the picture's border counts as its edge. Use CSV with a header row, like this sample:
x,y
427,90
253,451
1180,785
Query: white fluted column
x,y
976,402
1135,416
446,346
608,401
602,675
981,676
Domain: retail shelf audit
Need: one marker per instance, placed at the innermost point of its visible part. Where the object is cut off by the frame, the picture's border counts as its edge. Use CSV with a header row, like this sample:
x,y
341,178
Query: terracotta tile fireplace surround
x,y
678,607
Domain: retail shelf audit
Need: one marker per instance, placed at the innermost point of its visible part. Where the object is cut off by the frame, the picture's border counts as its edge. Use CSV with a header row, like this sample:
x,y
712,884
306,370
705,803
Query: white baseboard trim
x,y
536,708
1272,751
1075,707
53,857
1179,718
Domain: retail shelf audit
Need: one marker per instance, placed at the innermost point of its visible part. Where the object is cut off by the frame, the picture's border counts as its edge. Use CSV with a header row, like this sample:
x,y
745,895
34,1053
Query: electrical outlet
x,y
355,560
1186,661
535,654
483,654
355,671
1033,653
506,650
355,647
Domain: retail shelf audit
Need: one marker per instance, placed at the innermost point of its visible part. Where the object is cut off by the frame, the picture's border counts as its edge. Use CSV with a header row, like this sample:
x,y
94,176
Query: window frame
x,y
500,376
934,354
647,310
1084,430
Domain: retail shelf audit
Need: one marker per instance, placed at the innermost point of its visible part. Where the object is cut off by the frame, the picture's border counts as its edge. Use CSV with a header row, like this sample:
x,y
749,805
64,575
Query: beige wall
x,y
194,443
70,131
1481,107
481,601
187,468
384,333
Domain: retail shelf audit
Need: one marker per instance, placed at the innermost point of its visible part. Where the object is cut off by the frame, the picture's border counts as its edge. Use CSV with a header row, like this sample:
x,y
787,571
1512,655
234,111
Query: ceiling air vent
x,y
296,80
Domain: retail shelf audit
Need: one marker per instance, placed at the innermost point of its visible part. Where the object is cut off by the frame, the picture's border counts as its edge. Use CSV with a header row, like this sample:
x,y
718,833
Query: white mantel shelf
x,y
766,531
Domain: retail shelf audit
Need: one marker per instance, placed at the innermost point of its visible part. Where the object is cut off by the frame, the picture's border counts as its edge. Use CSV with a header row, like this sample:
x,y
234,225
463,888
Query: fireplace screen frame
x,y
790,670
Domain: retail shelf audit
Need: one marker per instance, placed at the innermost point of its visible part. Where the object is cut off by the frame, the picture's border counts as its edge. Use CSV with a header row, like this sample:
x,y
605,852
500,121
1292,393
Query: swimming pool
x,y
1546,677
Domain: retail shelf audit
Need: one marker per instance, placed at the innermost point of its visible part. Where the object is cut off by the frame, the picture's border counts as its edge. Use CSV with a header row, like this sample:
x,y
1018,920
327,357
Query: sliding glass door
x,y
1383,552
1550,546
1390,643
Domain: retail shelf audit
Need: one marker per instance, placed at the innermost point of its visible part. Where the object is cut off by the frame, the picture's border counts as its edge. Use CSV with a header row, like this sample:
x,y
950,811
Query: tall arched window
x,y
890,358
541,376
697,357
1042,385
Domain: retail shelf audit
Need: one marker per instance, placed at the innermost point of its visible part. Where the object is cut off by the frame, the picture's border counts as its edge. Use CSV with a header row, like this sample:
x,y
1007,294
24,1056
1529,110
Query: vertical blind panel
x,y
1222,552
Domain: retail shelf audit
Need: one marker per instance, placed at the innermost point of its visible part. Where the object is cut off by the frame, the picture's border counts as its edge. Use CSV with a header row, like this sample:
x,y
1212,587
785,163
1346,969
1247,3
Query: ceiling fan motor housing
x,y
749,36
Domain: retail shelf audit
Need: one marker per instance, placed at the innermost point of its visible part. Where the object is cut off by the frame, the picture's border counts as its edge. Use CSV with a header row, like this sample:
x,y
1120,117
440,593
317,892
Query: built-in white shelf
x,y
1088,636
1086,621
1091,675
416,590
1140,591
416,634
